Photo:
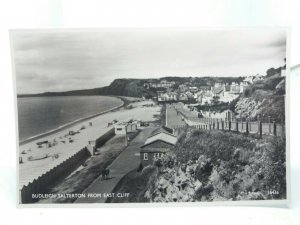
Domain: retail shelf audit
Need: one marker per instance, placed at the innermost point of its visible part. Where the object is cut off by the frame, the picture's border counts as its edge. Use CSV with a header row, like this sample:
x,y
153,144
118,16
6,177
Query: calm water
x,y
39,115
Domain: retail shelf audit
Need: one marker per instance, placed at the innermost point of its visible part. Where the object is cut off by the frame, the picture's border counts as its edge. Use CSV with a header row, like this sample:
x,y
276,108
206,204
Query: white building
x,y
124,128
218,85
183,97
182,87
170,96
193,89
249,79
234,88
257,78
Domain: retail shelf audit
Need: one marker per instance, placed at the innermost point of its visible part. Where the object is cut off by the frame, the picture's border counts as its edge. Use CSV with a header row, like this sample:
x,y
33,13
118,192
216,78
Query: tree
x,y
271,72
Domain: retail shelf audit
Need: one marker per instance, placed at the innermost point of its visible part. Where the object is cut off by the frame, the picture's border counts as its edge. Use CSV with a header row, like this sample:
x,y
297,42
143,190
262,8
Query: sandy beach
x,y
64,148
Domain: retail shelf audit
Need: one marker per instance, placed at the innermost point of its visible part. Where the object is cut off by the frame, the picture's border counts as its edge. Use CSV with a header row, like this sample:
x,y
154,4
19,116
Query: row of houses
x,y
225,92
233,88
159,84
167,96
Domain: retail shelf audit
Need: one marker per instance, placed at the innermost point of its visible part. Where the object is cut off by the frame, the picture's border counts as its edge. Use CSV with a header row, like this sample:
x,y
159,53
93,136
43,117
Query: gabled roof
x,y
164,134
162,129
167,129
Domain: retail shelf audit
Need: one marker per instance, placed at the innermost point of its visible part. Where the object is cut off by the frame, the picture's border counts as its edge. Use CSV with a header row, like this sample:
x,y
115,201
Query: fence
x,y
248,127
42,184
105,137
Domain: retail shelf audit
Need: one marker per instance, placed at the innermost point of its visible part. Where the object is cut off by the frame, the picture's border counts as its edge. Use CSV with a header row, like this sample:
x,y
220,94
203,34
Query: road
x,y
127,161
173,119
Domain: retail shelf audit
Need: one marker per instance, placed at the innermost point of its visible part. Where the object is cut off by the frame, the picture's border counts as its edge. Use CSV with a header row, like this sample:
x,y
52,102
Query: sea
x,y
39,116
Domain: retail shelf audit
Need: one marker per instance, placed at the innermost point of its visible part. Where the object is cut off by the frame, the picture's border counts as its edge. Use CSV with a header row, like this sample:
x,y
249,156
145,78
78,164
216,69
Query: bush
x,y
273,166
271,83
260,95
169,160
203,169
216,145
268,84
248,92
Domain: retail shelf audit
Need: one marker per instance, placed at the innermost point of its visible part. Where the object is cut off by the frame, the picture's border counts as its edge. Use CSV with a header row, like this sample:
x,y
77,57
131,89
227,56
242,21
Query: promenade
x,y
173,118
127,161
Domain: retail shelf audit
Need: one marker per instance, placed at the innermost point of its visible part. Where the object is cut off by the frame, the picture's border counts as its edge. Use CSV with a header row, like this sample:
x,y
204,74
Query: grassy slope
x,y
136,184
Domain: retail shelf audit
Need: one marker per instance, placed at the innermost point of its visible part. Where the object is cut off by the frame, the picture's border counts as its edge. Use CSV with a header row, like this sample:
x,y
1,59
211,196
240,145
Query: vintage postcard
x,y
152,116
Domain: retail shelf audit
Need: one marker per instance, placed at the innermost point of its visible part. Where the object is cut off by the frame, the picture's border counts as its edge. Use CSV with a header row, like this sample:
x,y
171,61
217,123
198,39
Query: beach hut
x,y
120,129
91,147
124,128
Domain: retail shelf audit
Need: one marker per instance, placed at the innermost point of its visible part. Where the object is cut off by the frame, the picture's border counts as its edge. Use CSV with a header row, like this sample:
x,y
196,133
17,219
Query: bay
x,y
40,115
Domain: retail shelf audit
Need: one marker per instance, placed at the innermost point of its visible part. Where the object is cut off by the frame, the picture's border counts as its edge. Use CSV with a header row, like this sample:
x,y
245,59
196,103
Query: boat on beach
x,y
38,157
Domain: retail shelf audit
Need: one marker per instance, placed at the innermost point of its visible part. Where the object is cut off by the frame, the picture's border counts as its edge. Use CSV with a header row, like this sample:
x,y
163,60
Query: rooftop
x,y
162,129
161,135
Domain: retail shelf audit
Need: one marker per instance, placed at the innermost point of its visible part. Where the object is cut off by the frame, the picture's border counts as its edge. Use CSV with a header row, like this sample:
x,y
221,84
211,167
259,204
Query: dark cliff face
x,y
124,87
129,87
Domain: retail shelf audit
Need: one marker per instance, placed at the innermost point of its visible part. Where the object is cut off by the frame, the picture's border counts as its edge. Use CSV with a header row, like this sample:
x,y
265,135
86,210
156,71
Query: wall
x,y
123,129
105,137
42,184
150,158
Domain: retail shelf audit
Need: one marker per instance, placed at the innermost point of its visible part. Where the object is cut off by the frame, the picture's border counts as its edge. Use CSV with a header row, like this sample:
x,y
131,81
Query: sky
x,y
62,60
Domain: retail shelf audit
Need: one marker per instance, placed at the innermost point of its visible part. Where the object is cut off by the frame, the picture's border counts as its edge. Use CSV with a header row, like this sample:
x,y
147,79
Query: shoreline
x,y
73,123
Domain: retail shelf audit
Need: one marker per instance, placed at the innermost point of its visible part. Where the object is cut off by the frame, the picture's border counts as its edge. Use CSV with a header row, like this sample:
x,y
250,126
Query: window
x,y
145,156
119,129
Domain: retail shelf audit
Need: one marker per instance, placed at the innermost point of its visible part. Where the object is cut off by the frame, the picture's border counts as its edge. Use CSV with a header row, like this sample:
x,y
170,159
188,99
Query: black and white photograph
x,y
152,115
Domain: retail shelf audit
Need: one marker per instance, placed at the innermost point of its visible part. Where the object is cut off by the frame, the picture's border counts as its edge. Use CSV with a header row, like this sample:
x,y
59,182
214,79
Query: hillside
x,y
264,99
129,87
119,87
211,166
